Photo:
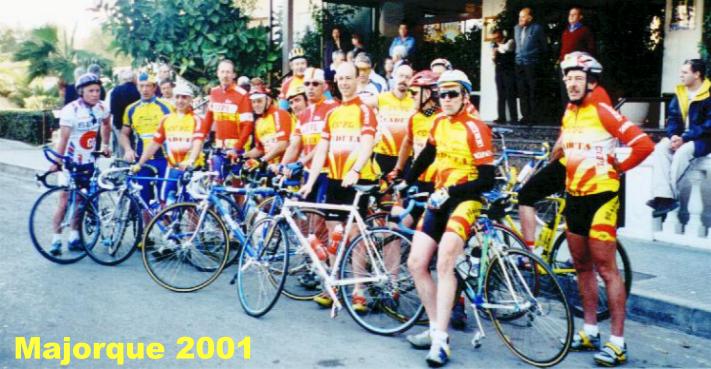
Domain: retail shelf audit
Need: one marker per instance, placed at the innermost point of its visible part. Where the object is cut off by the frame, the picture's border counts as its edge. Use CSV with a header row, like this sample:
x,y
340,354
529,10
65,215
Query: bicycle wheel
x,y
393,305
520,282
562,264
262,267
70,225
546,210
262,210
236,214
120,224
377,220
186,255
303,283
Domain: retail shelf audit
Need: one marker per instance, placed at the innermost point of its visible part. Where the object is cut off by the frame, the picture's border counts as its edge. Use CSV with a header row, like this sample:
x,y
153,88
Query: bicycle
x,y
554,250
368,266
47,219
514,288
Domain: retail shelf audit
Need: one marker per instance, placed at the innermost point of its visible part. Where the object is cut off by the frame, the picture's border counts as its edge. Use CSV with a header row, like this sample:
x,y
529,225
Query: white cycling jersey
x,y
84,122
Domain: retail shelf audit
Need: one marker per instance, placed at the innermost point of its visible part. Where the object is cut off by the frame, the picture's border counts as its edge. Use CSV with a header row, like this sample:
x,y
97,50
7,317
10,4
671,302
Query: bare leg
x,y
587,283
423,247
450,247
527,215
59,213
604,258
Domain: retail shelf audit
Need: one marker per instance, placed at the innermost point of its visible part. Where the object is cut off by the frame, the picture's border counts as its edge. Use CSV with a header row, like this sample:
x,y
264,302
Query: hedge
x,y
31,126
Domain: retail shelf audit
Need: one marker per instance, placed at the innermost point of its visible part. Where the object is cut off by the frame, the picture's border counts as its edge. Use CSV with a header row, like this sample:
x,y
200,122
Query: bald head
x,y
525,17
346,69
346,80
403,73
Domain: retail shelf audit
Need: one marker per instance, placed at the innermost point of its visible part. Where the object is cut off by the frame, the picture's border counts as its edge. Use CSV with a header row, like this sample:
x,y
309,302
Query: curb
x,y
19,172
670,313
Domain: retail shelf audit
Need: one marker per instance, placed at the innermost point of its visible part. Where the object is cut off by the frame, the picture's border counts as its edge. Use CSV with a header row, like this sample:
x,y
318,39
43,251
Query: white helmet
x,y
578,60
182,90
455,76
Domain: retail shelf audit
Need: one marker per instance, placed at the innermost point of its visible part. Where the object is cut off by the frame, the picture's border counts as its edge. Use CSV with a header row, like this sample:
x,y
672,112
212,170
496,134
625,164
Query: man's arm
x,y
702,129
106,135
675,122
293,150
629,134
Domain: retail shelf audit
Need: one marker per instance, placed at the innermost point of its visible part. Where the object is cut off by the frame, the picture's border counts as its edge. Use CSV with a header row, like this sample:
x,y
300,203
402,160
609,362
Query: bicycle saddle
x,y
367,189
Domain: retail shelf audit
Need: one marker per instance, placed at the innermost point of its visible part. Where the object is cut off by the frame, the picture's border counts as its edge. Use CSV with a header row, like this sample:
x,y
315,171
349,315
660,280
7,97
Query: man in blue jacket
x,y
688,136
531,46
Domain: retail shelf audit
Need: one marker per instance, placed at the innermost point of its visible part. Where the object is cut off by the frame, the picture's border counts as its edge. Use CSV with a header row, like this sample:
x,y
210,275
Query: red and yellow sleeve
x,y
159,137
283,125
368,120
628,133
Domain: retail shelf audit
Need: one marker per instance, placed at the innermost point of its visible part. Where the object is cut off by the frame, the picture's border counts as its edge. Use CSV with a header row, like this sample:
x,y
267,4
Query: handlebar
x,y
41,179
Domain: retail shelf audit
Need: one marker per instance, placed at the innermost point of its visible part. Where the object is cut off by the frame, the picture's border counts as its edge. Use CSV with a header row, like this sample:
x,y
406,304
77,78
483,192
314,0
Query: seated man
x,y
688,136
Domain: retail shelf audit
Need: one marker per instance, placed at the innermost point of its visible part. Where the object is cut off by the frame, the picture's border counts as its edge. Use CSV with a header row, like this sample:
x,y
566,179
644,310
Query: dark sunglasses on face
x,y
449,94
310,83
414,92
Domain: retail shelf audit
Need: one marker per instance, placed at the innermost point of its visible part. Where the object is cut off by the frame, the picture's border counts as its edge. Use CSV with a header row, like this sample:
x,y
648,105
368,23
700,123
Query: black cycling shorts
x,y
547,181
417,211
386,163
593,216
337,195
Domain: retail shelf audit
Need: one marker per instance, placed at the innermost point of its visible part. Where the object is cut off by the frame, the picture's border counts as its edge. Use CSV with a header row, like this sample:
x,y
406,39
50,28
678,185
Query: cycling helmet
x,y
443,62
146,76
579,60
455,76
86,80
182,90
258,92
296,91
425,78
296,53
314,74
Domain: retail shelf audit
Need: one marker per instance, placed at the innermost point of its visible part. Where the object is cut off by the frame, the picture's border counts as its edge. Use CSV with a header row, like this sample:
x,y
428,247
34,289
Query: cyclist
x,y
439,66
370,84
394,109
272,129
298,65
459,146
142,119
347,141
307,131
591,128
79,123
297,101
181,135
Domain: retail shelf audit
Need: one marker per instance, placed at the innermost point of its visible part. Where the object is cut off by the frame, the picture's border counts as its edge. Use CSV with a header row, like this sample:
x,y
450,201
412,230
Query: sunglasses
x,y
310,83
414,92
449,94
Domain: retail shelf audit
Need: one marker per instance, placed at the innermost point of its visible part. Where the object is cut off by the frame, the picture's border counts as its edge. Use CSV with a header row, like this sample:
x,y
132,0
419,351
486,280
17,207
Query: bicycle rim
x,y
120,225
41,225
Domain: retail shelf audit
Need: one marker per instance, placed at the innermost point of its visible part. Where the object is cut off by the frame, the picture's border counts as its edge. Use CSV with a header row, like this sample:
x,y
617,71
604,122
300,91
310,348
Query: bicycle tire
x,y
237,214
559,260
38,231
385,297
167,247
104,253
269,237
541,331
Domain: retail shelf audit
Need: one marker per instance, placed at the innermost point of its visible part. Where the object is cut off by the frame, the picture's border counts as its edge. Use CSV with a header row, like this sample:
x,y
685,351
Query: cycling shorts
x,y
148,192
417,211
455,215
593,216
318,194
337,195
386,163
547,181
82,175
169,189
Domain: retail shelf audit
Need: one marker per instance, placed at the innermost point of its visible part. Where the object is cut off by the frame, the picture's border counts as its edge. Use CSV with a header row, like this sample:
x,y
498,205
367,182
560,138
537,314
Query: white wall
x,y
679,46
487,105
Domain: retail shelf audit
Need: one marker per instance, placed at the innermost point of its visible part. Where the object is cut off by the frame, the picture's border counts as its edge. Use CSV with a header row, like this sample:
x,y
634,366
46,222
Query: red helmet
x,y
424,78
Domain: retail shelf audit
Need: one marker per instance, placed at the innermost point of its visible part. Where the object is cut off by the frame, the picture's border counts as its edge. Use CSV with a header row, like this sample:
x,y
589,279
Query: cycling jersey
x,y
393,115
310,125
143,117
418,131
343,128
289,85
589,134
272,127
176,134
231,112
84,122
462,143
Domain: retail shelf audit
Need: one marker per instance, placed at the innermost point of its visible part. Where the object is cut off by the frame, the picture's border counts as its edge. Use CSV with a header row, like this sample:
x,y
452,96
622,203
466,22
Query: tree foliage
x,y
191,35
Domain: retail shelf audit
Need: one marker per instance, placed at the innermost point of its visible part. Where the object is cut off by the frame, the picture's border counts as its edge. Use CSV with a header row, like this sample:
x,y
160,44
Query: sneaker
x,y
308,280
360,304
420,341
611,355
323,300
75,245
438,355
662,206
56,248
583,342
459,315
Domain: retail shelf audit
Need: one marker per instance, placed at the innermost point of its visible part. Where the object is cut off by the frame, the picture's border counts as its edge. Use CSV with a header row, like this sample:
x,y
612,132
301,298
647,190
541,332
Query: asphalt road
x,y
92,303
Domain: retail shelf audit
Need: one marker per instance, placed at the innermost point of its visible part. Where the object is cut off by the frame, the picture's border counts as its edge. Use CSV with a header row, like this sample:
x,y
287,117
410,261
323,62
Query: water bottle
x,y
317,246
525,172
336,238
468,267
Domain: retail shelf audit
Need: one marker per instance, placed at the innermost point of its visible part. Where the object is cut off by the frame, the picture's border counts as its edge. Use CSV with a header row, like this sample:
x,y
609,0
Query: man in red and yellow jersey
x,y
298,65
460,148
347,142
272,129
308,128
181,136
591,130
230,111
394,110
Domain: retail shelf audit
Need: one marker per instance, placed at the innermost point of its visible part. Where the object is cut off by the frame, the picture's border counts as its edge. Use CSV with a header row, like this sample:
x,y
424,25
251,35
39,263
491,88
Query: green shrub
x,y
29,126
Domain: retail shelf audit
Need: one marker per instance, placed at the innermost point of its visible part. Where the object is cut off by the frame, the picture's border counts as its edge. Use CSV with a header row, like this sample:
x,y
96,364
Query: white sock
x,y
591,330
439,336
433,324
57,237
73,235
617,341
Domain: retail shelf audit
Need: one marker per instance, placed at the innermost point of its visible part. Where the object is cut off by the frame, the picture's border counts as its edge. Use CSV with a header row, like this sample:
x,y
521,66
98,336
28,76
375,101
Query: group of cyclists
x,y
425,132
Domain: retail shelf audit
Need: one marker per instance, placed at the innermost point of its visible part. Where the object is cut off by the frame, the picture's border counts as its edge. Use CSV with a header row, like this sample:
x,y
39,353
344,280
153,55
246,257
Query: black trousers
x,y
506,93
527,78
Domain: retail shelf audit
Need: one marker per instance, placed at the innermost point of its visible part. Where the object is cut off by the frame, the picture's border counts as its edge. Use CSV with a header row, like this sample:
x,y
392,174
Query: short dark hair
x,y
172,83
697,66
403,23
356,36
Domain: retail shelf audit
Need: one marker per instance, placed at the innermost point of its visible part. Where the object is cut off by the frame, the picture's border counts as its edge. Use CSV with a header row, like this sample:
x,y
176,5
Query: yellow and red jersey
x,y
176,133
231,112
393,115
289,85
418,131
590,133
344,127
462,143
272,127
310,125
